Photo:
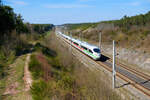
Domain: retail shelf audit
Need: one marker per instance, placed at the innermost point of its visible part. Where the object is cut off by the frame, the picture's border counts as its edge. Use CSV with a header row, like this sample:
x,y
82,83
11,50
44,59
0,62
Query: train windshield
x,y
96,50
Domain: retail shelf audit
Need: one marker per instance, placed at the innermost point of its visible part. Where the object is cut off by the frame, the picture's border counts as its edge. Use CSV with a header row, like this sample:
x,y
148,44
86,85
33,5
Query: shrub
x,y
35,67
41,90
66,82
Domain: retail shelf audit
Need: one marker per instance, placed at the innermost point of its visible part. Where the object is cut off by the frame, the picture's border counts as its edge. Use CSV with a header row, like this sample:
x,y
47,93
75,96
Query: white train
x,y
88,49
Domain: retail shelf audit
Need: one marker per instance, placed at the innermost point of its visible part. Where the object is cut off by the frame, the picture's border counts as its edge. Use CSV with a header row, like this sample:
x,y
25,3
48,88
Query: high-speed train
x,y
88,49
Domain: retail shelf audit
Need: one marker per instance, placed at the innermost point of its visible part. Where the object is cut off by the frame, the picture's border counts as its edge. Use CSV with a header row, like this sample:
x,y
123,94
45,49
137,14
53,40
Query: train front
x,y
97,53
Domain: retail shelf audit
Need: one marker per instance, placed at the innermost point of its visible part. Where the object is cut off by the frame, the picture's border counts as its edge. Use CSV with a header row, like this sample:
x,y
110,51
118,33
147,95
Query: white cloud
x,y
67,6
20,3
17,2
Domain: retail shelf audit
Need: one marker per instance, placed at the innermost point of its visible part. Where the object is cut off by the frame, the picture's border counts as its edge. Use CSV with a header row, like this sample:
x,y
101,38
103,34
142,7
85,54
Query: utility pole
x,y
114,66
100,39
70,42
79,36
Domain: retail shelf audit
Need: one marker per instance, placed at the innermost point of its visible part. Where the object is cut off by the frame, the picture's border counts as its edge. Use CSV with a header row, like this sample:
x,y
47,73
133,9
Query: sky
x,y
76,11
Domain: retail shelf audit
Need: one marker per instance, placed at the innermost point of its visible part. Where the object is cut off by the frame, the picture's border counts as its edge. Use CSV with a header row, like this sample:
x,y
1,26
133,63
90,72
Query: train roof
x,y
85,44
89,45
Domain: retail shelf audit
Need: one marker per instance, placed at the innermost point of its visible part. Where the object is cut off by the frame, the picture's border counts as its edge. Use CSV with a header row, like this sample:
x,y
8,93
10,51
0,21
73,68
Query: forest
x,y
127,22
124,22
15,34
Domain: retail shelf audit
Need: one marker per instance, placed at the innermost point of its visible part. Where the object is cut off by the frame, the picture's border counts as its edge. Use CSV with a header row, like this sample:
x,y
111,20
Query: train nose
x,y
97,54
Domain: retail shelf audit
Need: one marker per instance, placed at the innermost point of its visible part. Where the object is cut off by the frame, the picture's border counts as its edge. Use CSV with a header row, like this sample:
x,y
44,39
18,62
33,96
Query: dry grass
x,y
96,85
14,84
136,37
91,86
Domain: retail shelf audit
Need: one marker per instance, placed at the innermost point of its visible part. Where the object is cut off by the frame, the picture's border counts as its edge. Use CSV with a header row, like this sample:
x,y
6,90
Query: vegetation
x,y
58,78
125,22
82,26
139,20
10,21
51,78
15,40
42,28
129,32
35,67
13,83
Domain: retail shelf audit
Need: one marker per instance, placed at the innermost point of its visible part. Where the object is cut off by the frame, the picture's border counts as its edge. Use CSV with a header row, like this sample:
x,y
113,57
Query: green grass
x,y
60,84
41,90
35,67
15,75
64,83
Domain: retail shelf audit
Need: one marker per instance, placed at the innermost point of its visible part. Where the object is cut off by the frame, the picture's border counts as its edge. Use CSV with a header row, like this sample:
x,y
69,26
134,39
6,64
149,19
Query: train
x,y
91,50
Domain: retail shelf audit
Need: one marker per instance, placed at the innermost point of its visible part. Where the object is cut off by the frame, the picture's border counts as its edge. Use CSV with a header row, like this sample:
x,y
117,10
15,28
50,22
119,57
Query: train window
x,y
75,43
84,47
96,50
90,51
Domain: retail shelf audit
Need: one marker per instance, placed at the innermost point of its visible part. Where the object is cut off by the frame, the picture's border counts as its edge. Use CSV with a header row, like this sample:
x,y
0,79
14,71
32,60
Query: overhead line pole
x,y
114,67
79,36
70,42
100,39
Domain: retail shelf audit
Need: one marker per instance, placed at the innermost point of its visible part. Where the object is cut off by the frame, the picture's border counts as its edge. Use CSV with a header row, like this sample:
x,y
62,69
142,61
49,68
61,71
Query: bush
x,y
35,67
66,82
41,90
46,51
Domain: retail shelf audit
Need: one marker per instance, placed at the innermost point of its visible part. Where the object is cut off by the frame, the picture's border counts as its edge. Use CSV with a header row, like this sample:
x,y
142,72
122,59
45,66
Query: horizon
x,y
60,12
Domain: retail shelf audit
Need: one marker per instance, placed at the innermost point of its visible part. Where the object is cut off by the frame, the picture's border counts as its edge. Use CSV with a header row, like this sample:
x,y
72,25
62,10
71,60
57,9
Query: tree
x,y
19,24
7,19
125,17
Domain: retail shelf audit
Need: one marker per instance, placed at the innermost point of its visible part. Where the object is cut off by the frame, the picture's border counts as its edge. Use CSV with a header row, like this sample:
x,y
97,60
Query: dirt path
x,y
27,75
19,80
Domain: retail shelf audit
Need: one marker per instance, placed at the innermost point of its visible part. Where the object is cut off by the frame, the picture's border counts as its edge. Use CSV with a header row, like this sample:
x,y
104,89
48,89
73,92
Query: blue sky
x,y
76,11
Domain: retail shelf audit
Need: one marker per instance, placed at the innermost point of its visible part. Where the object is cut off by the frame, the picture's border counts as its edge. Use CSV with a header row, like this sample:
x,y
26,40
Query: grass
x,y
73,79
58,78
15,75
135,37
12,60
41,90
60,83
96,84
35,67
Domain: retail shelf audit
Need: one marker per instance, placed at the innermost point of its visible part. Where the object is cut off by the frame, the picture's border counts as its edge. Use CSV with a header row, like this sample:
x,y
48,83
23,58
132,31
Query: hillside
x,y
32,55
17,39
129,32
36,63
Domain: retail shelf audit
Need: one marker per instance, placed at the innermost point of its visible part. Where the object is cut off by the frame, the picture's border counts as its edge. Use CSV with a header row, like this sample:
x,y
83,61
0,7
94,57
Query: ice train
x,y
88,49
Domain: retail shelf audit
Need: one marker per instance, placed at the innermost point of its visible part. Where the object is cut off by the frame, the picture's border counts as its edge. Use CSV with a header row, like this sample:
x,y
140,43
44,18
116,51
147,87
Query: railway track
x,y
139,73
137,79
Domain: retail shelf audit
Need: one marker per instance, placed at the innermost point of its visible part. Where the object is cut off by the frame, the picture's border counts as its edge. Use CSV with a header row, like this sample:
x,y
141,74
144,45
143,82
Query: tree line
x,y
41,28
127,22
15,33
10,21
